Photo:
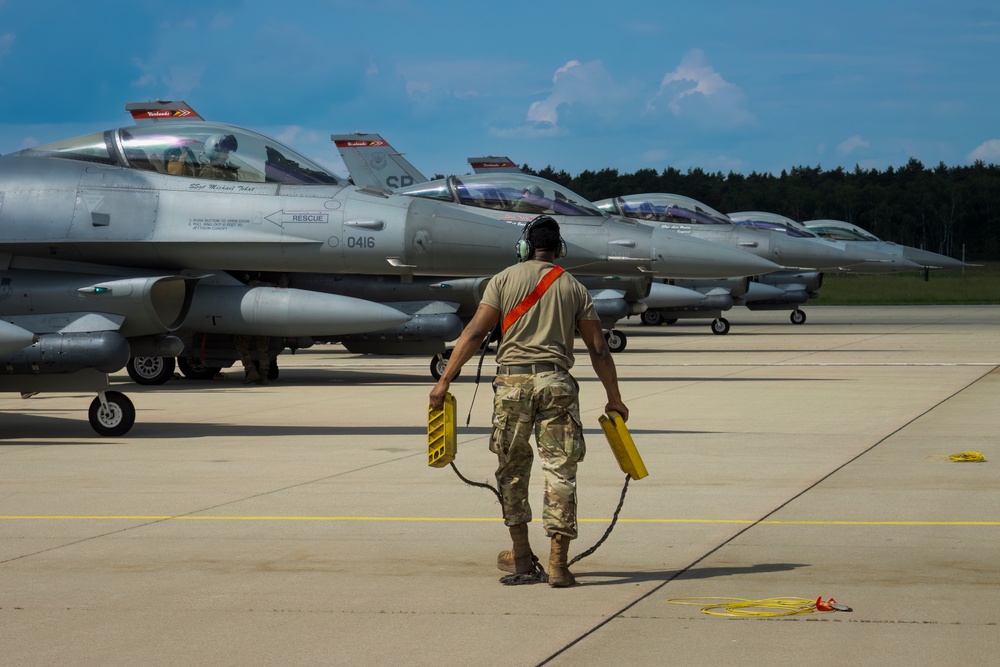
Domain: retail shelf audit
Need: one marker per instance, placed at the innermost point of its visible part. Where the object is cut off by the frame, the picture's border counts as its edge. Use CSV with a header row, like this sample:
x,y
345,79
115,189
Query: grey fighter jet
x,y
853,235
618,287
764,290
807,254
111,242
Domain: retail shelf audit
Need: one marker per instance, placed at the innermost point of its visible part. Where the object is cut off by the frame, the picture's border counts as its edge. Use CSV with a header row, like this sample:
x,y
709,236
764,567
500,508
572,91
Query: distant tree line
x,y
942,209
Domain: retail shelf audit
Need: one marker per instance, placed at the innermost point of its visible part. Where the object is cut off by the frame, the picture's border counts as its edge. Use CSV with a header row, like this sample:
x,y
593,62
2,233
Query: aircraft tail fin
x,y
371,161
161,111
490,163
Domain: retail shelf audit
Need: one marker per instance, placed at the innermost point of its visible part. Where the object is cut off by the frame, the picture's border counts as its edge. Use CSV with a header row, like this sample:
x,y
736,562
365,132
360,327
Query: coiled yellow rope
x,y
751,608
974,457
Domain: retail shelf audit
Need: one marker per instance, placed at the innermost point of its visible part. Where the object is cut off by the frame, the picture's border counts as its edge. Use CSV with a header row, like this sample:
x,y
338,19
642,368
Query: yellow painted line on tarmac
x,y
167,517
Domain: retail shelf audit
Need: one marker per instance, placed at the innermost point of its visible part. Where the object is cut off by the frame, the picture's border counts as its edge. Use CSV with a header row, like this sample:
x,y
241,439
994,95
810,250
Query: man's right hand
x,y
619,407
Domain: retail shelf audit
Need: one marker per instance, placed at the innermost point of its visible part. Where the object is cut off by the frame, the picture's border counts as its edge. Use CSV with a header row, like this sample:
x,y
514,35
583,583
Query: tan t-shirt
x,y
545,333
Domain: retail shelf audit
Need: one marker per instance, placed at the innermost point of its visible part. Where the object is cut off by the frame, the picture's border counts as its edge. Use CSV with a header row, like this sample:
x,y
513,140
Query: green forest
x,y
948,210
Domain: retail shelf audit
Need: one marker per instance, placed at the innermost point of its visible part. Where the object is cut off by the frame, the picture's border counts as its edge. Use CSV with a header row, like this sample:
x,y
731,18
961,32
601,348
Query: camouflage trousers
x,y
548,404
242,344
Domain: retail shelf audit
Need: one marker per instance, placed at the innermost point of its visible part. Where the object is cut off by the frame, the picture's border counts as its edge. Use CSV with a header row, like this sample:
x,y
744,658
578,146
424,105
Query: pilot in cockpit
x,y
532,201
215,158
180,161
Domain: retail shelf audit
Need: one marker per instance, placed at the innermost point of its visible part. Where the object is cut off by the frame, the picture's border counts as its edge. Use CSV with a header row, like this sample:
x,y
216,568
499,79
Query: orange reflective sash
x,y
532,298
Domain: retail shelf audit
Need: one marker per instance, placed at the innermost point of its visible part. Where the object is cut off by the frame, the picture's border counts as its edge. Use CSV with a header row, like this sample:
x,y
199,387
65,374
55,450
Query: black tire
x,y
438,363
117,419
671,321
150,370
195,370
720,326
651,318
797,317
617,341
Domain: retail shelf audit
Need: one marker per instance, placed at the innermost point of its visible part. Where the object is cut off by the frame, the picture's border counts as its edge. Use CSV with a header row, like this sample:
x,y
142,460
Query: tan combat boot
x,y
518,559
252,375
559,574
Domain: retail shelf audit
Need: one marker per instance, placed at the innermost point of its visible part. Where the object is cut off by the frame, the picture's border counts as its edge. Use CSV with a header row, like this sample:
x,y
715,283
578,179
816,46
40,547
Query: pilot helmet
x,y
219,146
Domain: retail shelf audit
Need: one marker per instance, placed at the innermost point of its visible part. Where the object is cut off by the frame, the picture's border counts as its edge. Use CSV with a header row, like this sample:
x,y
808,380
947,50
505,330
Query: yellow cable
x,y
741,607
974,457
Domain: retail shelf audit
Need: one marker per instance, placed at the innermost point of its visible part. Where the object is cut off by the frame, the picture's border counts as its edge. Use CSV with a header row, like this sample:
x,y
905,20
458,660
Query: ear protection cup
x,y
524,248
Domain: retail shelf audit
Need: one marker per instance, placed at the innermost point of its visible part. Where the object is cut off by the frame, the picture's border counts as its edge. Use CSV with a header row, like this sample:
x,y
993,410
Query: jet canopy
x,y
195,150
517,193
772,222
664,208
840,231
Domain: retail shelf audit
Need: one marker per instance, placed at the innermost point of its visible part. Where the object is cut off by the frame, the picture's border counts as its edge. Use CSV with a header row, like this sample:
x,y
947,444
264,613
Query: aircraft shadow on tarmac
x,y
21,429
676,351
619,578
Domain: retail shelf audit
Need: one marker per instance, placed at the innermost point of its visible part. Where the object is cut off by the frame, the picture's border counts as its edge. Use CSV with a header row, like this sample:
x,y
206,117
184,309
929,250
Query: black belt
x,y
526,369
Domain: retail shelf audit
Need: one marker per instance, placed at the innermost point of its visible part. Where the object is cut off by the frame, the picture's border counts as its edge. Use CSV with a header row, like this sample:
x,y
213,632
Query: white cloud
x,y
428,81
852,144
988,151
533,131
588,84
696,90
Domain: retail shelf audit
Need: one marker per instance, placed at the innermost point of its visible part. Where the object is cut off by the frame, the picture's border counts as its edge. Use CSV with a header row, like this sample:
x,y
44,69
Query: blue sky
x,y
725,86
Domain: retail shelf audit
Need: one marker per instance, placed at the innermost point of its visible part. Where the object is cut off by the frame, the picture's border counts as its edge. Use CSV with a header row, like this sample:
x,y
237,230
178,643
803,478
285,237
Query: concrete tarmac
x,y
298,523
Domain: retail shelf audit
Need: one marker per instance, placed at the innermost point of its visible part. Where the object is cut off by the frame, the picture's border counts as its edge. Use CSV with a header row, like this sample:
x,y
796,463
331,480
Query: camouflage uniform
x,y
547,403
242,343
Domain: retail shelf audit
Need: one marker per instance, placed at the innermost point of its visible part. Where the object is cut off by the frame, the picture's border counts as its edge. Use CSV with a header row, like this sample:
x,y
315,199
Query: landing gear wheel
x,y
195,370
670,321
116,419
150,370
438,364
651,318
720,326
617,341
798,317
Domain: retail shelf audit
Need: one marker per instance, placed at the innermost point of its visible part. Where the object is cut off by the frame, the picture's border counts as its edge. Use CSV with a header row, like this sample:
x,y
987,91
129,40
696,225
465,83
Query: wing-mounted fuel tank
x,y
811,281
437,307
466,292
432,325
272,311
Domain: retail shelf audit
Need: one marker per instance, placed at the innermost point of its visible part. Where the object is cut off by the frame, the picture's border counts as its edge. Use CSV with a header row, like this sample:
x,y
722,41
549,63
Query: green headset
x,y
524,248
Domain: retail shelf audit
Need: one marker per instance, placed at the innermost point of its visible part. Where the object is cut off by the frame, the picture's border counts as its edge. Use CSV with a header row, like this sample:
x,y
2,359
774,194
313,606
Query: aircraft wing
x,y
372,162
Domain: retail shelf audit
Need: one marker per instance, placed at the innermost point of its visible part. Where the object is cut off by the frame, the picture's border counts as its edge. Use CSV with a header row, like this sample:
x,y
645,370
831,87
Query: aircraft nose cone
x,y
927,259
683,256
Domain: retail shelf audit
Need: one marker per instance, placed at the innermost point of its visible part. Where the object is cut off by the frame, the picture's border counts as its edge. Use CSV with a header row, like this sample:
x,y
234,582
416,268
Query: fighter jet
x,y
619,285
111,242
853,235
806,253
887,257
